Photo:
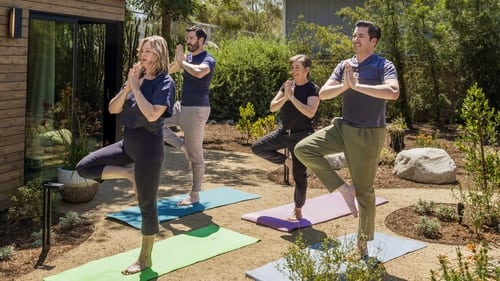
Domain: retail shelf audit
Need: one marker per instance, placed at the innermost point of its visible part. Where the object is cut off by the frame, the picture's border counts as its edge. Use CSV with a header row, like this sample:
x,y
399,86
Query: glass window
x,y
64,93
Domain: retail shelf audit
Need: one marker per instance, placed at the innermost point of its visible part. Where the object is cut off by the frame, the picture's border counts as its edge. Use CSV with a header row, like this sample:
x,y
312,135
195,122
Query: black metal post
x,y
46,208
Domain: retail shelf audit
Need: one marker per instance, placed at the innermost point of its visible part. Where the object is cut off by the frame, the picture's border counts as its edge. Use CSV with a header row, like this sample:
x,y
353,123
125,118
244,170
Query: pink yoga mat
x,y
316,210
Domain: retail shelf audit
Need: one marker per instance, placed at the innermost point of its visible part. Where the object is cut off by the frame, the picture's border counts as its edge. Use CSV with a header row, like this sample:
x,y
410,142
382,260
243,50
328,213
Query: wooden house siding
x,y
13,74
321,12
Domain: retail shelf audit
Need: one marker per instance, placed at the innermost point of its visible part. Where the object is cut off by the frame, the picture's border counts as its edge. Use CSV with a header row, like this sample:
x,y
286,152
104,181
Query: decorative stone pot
x,y
76,189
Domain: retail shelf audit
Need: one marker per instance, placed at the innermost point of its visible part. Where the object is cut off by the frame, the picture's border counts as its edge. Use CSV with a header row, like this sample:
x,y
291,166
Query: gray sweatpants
x,y
192,120
361,147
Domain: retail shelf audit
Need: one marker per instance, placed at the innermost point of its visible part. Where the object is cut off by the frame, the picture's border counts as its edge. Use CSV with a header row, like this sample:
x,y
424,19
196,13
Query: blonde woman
x,y
147,96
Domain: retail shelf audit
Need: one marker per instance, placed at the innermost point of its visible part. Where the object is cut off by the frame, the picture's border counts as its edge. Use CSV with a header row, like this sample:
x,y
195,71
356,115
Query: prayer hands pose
x,y
350,77
289,87
134,77
179,54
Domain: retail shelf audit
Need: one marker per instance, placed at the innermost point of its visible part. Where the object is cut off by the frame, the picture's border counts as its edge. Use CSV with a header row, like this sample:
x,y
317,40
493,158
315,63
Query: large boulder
x,y
425,165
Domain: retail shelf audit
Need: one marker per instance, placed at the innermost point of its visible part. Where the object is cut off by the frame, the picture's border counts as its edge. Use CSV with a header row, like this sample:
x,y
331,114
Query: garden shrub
x,y
476,267
27,201
249,69
428,227
479,141
335,262
6,252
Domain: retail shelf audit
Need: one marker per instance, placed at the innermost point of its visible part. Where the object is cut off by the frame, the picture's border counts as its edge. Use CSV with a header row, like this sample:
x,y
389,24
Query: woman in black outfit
x,y
298,101
148,95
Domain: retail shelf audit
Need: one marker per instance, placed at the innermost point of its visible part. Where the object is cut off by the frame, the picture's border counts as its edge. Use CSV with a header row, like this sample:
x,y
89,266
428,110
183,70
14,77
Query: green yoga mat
x,y
168,255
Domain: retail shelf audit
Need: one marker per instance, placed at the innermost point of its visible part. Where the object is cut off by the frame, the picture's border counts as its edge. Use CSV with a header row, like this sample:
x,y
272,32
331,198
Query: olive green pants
x,y
361,147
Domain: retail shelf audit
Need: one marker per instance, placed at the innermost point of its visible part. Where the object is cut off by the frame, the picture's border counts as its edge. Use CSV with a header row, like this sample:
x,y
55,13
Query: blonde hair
x,y
159,47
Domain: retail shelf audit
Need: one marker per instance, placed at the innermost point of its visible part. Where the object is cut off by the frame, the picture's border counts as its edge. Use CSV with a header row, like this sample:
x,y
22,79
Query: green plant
x,y
70,220
73,124
446,213
244,124
6,252
476,267
396,131
27,201
428,227
37,238
424,207
424,140
334,261
387,157
263,126
478,141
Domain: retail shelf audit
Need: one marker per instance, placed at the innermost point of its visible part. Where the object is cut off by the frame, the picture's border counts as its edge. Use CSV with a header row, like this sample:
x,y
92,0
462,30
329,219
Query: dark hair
x,y
200,32
303,59
373,30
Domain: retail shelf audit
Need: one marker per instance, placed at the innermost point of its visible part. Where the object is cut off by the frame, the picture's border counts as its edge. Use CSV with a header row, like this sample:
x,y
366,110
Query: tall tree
x,y
168,11
476,23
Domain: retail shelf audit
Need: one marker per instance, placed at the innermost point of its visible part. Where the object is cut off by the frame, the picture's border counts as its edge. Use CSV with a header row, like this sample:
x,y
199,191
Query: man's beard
x,y
194,48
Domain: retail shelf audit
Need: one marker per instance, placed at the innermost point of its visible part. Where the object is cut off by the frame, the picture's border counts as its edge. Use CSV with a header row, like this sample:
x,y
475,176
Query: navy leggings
x,y
267,147
145,150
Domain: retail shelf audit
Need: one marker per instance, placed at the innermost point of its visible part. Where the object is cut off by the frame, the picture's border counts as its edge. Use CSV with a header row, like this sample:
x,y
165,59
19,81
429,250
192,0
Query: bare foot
x,y
183,149
194,197
349,193
136,267
296,216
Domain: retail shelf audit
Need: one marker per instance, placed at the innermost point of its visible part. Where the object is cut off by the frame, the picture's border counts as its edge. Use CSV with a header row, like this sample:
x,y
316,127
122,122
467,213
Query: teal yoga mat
x,y
168,255
168,209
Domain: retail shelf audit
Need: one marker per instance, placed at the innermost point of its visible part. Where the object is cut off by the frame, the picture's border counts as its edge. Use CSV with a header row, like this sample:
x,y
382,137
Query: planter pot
x,y
76,189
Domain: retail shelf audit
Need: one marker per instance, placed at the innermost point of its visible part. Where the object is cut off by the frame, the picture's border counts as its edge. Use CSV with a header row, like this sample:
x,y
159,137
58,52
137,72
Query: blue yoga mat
x,y
168,209
384,247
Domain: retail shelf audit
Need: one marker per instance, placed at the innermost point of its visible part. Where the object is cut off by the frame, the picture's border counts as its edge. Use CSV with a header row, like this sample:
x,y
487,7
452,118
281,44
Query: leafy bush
x,y
476,267
333,262
387,157
428,227
6,252
70,220
36,237
249,69
446,213
263,126
424,207
244,124
27,201
479,141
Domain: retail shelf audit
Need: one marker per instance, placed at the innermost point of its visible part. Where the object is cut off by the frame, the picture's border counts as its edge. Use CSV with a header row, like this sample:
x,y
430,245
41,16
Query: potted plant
x,y
76,146
396,132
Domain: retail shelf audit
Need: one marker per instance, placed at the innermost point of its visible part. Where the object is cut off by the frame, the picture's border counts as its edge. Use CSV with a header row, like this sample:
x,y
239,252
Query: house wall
x,y
321,12
13,74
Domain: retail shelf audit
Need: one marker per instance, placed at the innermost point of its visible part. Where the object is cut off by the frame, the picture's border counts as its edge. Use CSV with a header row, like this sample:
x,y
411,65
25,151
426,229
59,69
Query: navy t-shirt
x,y
358,109
158,91
291,117
195,90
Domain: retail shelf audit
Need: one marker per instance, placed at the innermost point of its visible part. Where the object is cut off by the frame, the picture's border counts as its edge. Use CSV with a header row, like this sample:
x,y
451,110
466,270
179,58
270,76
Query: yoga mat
x,y
316,210
168,209
168,255
384,247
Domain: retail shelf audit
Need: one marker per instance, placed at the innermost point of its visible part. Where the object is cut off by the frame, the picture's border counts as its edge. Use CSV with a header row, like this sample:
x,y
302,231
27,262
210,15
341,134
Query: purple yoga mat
x,y
316,210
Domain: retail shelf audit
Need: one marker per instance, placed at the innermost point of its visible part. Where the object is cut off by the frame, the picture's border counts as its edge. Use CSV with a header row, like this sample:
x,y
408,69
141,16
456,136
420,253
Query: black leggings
x,y
145,150
267,147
